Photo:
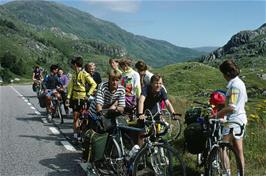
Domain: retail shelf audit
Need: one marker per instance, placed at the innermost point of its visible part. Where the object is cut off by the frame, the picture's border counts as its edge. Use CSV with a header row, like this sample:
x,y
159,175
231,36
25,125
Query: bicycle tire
x,y
174,130
158,159
59,113
216,166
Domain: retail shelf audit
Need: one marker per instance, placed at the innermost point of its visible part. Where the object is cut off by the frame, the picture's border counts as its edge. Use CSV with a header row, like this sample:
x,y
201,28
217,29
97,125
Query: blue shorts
x,y
50,92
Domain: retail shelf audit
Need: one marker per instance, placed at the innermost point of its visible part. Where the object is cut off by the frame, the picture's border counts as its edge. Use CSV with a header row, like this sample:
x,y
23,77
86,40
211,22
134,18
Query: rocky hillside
x,y
243,45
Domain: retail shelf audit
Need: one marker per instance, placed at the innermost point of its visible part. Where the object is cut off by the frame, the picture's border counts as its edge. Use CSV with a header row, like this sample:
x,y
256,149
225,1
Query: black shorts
x,y
77,104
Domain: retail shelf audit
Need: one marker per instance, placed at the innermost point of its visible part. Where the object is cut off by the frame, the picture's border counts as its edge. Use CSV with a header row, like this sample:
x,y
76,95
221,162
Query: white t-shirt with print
x,y
236,97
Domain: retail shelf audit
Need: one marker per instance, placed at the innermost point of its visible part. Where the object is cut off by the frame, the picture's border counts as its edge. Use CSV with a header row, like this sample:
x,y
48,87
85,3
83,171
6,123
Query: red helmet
x,y
217,98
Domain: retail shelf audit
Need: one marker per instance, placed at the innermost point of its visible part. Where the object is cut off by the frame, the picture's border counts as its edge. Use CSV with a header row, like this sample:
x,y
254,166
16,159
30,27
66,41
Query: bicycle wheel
x,y
223,160
59,113
112,163
158,159
174,129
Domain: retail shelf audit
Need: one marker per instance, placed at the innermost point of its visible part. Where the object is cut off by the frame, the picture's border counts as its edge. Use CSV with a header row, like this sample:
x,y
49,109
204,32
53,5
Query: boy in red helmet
x,y
217,100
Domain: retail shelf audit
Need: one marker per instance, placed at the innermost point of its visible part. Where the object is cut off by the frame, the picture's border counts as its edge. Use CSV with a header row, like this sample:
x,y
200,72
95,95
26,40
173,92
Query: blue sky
x,y
183,23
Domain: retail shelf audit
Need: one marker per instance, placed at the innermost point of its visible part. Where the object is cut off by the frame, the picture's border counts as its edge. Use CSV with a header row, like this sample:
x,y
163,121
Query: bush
x,y
6,75
12,63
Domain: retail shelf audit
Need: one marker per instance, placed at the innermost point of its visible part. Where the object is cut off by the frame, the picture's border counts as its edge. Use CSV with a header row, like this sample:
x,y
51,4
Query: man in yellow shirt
x,y
77,91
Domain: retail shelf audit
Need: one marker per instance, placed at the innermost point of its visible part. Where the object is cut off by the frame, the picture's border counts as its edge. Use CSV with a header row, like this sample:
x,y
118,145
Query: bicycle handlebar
x,y
200,103
224,121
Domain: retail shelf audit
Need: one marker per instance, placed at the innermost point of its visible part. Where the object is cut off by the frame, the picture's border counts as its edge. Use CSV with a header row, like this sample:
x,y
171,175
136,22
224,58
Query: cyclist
x,y
217,101
50,84
77,92
114,64
64,81
236,97
150,98
131,81
110,95
152,95
36,76
145,77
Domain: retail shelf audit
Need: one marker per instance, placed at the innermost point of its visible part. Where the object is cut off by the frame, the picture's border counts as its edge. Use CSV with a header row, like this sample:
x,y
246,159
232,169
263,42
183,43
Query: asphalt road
x,y
29,145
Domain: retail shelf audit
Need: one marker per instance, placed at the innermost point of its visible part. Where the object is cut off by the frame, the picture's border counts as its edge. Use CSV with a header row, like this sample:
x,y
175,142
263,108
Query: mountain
x,y
206,49
44,15
248,48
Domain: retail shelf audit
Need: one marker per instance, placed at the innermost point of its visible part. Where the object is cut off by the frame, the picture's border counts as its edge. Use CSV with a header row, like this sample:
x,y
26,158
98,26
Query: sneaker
x,y
49,117
75,135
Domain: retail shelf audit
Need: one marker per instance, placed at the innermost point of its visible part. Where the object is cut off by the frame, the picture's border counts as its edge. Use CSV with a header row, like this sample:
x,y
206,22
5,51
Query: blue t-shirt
x,y
152,101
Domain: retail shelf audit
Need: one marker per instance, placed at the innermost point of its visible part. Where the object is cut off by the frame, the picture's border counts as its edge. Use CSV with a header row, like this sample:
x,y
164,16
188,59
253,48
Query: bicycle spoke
x,y
158,160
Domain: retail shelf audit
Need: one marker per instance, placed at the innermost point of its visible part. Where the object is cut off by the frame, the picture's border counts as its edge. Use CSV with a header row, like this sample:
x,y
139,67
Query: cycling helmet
x,y
217,97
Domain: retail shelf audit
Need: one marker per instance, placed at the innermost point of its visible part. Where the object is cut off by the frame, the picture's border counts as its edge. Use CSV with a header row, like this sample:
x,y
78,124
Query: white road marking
x,y
44,120
54,130
68,146
16,91
37,112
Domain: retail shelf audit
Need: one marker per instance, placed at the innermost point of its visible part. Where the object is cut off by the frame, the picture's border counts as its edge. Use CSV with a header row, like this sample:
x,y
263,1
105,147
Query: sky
x,y
183,23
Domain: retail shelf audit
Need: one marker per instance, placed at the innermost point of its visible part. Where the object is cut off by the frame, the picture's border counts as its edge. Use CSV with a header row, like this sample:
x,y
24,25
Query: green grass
x,y
185,81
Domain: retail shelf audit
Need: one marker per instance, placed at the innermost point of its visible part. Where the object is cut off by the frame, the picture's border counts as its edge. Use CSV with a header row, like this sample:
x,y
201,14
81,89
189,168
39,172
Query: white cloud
x,y
126,6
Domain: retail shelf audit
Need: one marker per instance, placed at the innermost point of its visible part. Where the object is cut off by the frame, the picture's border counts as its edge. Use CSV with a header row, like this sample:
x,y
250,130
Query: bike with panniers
x,y
156,156
56,108
109,150
107,145
203,136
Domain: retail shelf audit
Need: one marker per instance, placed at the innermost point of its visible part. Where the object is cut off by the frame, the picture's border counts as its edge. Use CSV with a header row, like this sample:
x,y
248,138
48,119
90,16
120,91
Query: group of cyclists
x,y
128,91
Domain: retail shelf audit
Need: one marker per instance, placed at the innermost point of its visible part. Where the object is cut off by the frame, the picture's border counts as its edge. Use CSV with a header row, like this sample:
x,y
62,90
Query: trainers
x,y
75,135
49,117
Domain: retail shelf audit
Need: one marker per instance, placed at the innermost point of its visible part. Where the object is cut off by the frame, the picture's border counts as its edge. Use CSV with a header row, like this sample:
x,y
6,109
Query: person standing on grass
x,y
236,97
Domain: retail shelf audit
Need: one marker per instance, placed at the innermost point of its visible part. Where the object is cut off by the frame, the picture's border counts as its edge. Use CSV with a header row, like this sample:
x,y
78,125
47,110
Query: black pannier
x,y
192,115
195,138
42,100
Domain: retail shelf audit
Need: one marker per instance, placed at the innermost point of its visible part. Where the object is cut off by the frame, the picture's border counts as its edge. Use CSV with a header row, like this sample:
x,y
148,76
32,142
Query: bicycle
x,y
116,159
156,156
56,108
36,86
219,157
173,124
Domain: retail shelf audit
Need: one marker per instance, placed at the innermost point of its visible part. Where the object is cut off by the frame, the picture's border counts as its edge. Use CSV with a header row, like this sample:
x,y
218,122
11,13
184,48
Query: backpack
x,y
192,115
42,100
94,145
195,138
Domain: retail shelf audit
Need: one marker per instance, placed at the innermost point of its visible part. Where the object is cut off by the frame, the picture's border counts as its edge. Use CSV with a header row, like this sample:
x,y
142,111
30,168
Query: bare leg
x,y
238,145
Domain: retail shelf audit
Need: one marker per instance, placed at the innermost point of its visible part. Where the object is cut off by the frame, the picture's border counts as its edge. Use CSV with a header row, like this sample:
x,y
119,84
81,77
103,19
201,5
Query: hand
x,y
86,97
142,117
113,107
174,117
